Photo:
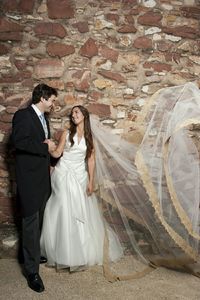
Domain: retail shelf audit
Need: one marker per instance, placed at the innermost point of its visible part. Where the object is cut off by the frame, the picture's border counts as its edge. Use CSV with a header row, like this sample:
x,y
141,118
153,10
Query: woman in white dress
x,y
73,227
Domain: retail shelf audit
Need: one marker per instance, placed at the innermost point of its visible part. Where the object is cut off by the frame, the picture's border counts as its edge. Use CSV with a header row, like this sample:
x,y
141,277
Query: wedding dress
x,y
73,227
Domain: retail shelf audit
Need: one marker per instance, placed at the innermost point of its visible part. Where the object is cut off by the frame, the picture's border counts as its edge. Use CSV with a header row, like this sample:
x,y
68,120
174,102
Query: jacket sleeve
x,y
23,138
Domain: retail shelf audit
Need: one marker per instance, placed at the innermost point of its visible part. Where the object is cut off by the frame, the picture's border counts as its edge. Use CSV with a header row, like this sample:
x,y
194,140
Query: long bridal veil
x,y
150,194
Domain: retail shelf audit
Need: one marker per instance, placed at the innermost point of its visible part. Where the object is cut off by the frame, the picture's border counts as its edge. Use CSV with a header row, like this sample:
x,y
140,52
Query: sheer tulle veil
x,y
150,194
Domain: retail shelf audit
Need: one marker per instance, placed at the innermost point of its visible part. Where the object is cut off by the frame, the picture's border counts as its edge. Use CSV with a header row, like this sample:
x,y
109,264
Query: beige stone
x,y
1,136
195,59
130,58
150,89
4,173
166,6
195,69
2,108
101,23
152,30
107,65
118,101
186,46
125,41
121,114
102,83
42,8
173,38
116,5
5,62
149,3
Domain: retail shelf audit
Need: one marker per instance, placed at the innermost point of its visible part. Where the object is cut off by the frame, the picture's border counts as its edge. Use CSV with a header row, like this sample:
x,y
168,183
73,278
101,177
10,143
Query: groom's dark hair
x,y
42,90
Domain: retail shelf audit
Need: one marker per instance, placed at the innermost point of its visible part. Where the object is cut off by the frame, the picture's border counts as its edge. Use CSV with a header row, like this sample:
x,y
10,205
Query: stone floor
x,y
161,284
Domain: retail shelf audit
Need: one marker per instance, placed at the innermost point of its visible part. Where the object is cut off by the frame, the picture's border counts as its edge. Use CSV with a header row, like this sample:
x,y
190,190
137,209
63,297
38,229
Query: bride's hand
x,y
89,189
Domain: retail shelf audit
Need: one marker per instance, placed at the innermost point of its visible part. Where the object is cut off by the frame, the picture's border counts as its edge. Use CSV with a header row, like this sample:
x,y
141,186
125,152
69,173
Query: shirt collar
x,y
36,109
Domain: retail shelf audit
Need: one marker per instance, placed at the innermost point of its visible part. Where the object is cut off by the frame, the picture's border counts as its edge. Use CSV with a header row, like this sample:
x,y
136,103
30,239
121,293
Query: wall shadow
x,y
9,153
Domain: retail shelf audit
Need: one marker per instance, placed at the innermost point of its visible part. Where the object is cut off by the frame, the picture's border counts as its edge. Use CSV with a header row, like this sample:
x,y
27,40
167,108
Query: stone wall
x,y
108,55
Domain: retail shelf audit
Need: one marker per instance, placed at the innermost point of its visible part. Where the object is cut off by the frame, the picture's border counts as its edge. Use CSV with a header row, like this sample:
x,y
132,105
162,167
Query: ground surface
x,y
161,284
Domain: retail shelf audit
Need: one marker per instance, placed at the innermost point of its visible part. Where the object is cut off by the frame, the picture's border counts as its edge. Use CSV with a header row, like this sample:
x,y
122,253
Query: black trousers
x,y
31,230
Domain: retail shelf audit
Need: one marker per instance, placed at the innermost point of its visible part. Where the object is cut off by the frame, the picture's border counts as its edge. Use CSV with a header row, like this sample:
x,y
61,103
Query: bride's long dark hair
x,y
87,130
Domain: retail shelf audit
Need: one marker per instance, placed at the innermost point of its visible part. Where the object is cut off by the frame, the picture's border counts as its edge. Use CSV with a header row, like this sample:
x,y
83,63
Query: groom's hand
x,y
51,145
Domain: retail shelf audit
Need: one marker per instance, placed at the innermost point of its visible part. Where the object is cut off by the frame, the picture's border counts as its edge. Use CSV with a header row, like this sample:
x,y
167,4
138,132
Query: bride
x,y
73,228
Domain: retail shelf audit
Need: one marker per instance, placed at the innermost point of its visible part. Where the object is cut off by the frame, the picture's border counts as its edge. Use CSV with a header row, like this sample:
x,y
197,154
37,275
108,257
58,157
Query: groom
x,y
30,135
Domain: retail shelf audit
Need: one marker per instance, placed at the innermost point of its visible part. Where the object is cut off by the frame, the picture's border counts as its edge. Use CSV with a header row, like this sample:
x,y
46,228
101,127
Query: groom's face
x,y
48,104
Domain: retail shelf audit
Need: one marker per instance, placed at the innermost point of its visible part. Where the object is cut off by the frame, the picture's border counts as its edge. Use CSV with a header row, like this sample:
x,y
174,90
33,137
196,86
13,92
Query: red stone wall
x,y
109,55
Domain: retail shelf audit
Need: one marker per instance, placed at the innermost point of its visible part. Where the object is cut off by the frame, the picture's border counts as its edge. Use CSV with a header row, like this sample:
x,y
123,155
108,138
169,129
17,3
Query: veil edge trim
x,y
176,203
148,185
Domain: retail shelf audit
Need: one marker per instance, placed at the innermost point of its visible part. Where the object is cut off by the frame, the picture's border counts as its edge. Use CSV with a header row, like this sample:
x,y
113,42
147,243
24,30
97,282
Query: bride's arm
x,y
60,147
91,168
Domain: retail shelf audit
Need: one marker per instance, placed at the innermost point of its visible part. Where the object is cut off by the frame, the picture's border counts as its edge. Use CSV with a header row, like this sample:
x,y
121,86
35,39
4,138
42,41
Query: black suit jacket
x,y
32,160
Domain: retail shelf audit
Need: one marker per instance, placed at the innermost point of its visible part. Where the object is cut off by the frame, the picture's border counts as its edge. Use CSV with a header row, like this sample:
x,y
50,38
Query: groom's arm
x,y
56,153
23,137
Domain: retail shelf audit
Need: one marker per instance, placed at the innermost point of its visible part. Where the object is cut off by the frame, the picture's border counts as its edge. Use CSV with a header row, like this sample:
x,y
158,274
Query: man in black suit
x,y
31,138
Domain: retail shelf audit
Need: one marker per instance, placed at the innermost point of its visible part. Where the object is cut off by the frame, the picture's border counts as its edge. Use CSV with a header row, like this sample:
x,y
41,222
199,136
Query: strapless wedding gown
x,y
73,227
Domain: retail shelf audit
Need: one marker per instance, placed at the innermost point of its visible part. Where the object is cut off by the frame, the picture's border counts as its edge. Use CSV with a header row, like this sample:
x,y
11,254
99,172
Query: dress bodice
x,y
74,157
77,151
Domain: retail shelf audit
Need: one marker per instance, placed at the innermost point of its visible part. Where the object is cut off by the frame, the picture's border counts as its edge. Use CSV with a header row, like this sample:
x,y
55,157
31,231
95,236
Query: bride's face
x,y
77,116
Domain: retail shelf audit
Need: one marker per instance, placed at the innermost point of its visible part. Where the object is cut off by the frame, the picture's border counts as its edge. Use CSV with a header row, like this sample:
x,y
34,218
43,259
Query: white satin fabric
x,y
73,227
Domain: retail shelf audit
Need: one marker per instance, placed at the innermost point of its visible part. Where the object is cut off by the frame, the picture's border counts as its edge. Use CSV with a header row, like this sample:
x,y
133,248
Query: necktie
x,y
44,125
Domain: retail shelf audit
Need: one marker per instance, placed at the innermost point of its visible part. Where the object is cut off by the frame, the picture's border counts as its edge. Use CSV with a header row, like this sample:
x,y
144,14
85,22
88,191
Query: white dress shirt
x,y
42,119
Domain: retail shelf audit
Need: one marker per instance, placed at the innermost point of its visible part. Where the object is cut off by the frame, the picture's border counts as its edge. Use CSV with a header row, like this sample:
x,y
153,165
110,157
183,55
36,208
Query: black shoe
x,y
35,282
43,260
